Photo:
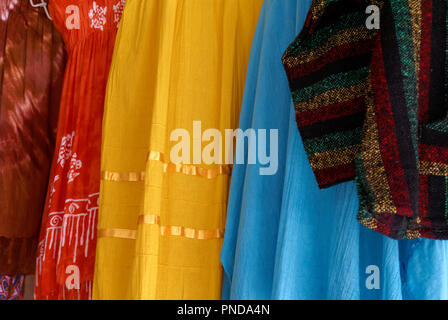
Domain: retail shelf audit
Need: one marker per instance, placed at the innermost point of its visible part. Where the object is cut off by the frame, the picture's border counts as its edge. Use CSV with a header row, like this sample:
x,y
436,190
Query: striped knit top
x,y
372,106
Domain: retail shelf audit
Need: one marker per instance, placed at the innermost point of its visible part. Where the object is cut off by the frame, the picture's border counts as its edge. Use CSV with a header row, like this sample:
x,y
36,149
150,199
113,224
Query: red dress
x,y
65,262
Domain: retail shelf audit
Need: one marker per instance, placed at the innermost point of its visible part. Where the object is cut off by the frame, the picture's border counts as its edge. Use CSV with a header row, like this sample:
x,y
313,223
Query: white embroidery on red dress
x,y
77,224
52,190
80,213
65,150
51,242
75,166
54,231
97,16
118,11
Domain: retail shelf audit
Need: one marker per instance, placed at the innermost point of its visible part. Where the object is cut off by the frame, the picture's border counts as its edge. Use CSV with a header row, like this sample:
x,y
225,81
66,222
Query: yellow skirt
x,y
161,225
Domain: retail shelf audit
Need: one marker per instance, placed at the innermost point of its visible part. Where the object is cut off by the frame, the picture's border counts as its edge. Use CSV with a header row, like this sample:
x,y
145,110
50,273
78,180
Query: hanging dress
x,y
372,105
309,240
32,61
65,263
161,224
254,208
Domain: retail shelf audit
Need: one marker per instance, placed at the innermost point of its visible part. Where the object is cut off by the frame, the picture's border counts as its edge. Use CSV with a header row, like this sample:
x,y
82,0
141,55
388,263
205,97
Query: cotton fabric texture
x,y
32,61
371,105
161,225
309,241
65,263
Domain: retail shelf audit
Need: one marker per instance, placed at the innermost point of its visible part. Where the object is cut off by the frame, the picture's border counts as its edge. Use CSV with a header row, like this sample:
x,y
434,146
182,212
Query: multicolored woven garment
x,y
11,288
372,105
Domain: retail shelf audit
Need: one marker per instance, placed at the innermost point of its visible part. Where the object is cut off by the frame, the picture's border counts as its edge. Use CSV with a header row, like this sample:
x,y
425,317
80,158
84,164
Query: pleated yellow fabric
x,y
161,225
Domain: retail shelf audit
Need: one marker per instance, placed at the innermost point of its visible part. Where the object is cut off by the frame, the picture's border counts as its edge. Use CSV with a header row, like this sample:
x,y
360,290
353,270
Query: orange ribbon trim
x,y
176,231
179,231
190,170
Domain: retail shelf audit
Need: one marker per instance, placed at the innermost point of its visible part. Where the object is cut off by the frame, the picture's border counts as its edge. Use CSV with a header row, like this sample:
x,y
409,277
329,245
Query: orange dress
x,y
66,257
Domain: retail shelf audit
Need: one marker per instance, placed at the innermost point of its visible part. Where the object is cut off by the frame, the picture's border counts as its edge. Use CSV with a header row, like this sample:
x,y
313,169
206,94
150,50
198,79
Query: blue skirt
x,y
285,238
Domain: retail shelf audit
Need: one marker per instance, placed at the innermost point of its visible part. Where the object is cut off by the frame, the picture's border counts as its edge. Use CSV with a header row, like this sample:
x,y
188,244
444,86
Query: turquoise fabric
x,y
285,238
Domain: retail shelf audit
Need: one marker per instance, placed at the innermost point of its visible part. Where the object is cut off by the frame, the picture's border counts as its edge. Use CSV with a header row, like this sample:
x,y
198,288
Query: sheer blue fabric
x,y
285,238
